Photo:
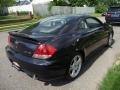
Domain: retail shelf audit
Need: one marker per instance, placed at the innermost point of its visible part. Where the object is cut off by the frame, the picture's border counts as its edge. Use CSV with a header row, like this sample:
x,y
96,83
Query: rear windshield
x,y
114,9
46,26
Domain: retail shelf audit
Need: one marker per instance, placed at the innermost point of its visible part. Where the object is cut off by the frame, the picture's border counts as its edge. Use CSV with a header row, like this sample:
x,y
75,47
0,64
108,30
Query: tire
x,y
74,68
110,40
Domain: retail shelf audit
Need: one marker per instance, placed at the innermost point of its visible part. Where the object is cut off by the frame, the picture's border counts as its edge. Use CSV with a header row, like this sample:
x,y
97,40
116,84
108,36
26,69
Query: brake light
x,y
44,51
9,40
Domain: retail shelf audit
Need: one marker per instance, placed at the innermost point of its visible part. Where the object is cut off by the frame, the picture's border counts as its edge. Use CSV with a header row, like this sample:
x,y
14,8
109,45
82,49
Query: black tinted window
x,y
46,26
93,23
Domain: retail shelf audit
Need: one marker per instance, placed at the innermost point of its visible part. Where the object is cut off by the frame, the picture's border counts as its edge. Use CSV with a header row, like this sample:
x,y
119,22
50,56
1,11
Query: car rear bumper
x,y
44,68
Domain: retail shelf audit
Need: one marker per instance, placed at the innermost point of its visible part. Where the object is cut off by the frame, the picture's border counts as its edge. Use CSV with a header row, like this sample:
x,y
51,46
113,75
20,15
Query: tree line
x,y
101,6
84,2
4,4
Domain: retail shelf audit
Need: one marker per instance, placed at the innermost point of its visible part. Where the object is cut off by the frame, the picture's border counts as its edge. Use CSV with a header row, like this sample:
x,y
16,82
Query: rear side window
x,y
49,26
93,23
46,26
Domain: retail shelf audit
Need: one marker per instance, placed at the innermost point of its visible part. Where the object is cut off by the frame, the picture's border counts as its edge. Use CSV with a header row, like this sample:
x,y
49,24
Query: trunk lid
x,y
25,43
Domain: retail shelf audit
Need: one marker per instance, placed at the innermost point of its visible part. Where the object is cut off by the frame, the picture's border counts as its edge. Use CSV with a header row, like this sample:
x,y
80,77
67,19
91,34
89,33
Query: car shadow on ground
x,y
60,81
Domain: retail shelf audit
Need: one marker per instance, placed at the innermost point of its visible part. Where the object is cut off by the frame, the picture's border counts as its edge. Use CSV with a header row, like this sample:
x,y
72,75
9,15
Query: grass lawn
x,y
112,79
17,25
10,17
24,22
96,14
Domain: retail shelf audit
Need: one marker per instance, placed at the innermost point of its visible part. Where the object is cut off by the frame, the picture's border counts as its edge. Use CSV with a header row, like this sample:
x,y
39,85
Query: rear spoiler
x,y
18,34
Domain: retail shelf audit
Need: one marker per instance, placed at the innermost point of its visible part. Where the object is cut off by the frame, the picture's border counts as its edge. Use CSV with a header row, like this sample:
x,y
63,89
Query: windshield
x,y
46,26
114,9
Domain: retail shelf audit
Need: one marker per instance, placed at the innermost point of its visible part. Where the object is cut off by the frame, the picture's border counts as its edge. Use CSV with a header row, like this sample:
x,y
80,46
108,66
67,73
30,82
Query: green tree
x,y
55,2
85,2
59,3
4,4
110,2
93,2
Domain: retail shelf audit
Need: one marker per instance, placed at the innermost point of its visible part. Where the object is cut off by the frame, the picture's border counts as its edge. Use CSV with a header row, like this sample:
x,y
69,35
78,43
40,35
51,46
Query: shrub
x,y
101,9
23,13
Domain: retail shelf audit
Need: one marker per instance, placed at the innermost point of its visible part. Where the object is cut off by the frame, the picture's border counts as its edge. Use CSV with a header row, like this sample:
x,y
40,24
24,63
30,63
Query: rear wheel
x,y
74,67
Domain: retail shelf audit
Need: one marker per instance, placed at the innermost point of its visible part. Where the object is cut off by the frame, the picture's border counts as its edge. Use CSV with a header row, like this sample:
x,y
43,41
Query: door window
x,y
93,23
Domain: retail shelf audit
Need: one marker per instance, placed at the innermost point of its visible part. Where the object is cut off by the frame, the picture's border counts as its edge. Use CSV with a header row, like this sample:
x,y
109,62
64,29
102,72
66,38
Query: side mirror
x,y
107,26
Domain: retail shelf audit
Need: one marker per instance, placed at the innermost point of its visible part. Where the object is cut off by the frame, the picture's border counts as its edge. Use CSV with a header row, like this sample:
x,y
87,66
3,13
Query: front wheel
x,y
74,67
110,39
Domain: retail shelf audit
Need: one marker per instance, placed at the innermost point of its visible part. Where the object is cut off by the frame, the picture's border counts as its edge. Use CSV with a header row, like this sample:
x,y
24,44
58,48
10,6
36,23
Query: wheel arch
x,y
111,32
82,52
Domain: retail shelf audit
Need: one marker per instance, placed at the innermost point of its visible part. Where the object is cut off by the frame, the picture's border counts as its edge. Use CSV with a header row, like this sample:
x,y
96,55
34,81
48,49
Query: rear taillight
x,y
44,51
108,15
9,40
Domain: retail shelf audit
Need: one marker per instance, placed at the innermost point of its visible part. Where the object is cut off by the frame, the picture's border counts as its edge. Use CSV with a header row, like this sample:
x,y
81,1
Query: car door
x,y
87,37
97,36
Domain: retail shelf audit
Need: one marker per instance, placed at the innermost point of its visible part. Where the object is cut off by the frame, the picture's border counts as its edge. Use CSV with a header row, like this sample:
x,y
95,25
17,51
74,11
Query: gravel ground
x,y
94,71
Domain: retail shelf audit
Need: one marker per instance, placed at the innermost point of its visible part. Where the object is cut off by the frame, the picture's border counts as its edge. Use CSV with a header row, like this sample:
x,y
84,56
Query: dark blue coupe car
x,y
58,45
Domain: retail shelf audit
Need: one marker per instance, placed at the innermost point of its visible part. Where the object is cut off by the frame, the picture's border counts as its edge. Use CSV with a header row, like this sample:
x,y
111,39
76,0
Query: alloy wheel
x,y
110,40
75,66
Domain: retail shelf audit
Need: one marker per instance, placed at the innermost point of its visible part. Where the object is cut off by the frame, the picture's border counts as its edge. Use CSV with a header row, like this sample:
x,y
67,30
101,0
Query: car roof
x,y
71,16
